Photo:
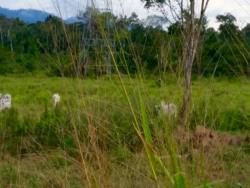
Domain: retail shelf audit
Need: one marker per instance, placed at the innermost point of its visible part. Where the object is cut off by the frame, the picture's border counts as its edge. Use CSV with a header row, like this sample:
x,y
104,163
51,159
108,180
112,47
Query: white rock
x,y
167,109
5,101
56,98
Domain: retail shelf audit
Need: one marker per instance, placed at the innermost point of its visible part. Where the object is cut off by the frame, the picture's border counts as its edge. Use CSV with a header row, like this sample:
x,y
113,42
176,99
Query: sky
x,y
239,8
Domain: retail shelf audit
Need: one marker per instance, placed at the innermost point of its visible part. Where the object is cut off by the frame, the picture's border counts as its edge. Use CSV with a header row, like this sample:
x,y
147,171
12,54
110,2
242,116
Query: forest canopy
x,y
53,47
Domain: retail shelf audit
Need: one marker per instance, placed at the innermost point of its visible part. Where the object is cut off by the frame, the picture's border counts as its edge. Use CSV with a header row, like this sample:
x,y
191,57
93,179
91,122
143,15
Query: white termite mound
x,y
167,109
5,101
56,98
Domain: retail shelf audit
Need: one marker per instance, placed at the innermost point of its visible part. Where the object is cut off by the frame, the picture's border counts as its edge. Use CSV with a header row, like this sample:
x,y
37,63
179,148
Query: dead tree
x,y
193,29
184,11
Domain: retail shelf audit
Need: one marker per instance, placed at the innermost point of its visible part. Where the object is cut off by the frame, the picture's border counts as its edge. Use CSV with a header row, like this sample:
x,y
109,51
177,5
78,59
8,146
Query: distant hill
x,y
26,15
32,16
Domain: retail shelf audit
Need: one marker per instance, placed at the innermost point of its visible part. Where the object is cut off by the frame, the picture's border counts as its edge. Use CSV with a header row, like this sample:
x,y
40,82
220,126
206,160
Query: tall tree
x,y
185,12
228,29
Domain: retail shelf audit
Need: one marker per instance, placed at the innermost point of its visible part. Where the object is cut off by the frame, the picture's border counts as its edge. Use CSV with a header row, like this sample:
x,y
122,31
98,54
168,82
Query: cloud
x,y
67,8
239,8
44,5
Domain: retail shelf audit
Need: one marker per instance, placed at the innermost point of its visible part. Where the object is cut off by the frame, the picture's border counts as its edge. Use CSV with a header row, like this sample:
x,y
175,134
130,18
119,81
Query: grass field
x,y
92,138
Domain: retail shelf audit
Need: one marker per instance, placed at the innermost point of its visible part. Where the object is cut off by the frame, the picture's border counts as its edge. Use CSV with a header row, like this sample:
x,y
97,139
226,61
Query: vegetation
x,y
106,131
42,141
47,47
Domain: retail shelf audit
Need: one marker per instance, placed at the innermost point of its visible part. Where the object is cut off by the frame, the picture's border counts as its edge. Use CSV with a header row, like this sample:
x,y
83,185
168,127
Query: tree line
x,y
59,49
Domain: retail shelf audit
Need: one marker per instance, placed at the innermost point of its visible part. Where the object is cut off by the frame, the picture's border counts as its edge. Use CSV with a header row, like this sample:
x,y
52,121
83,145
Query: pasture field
x,y
92,139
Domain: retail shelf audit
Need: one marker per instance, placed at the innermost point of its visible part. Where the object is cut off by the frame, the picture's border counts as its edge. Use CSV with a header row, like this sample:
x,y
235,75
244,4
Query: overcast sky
x,y
239,8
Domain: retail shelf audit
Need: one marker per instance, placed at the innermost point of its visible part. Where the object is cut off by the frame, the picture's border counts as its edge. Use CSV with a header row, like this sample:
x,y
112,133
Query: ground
x,y
91,138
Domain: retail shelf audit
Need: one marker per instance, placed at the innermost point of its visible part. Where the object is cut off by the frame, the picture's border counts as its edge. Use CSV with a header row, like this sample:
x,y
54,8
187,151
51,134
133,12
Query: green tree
x,y
228,29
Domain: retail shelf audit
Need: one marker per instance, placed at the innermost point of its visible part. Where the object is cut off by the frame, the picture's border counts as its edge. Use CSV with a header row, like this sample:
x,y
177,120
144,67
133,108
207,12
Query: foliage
x,y
94,118
55,48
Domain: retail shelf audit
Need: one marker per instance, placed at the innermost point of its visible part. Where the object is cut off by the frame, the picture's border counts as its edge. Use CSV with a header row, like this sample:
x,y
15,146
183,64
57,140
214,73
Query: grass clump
x,y
92,138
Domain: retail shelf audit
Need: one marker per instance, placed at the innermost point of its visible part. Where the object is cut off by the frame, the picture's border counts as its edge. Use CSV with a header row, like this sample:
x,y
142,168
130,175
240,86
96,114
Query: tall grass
x,y
92,133
106,133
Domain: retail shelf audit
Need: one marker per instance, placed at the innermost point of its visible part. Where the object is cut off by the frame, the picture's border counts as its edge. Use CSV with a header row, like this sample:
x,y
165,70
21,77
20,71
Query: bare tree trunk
x,y
192,37
1,36
10,39
190,51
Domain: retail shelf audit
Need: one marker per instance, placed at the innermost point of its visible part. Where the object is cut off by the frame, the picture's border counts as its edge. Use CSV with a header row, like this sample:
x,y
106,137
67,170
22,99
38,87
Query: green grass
x,y
95,137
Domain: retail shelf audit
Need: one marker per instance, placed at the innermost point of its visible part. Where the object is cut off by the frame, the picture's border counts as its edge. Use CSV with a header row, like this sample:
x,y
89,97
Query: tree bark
x,y
192,38
189,52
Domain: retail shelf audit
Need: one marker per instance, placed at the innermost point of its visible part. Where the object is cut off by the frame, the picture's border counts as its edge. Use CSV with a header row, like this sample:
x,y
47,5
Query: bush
x,y
28,135
209,114
234,120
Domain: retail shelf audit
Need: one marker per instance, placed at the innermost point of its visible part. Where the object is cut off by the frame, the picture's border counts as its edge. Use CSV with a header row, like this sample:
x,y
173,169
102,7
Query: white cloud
x,y
239,8
44,5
